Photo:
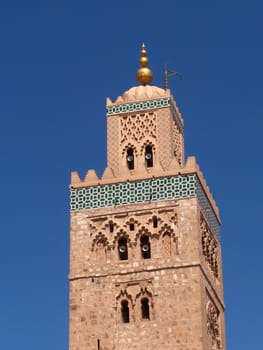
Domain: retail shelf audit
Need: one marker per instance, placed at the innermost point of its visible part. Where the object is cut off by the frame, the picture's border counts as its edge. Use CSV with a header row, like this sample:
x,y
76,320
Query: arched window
x,y
130,159
123,249
111,227
149,156
125,312
145,247
145,309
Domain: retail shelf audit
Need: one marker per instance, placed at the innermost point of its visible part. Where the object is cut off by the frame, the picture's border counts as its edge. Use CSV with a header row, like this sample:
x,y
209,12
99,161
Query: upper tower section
x,y
145,155
144,129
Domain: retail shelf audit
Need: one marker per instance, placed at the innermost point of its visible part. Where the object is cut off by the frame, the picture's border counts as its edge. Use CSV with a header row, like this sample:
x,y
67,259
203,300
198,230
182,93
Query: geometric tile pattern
x,y
143,191
146,105
148,190
138,106
207,209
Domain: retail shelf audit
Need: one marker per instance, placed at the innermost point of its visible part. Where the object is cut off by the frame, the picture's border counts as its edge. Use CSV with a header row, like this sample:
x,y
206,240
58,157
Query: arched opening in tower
x,y
149,156
145,309
125,312
130,159
145,247
123,249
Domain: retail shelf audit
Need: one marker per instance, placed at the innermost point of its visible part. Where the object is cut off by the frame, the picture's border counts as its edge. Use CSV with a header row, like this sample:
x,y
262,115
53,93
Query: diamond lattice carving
x,y
178,144
113,143
165,145
209,247
212,316
138,126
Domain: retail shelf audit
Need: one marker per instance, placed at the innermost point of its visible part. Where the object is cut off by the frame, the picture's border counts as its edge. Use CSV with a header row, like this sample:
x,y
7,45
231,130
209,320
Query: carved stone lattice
x,y
166,244
209,247
113,143
123,294
106,233
178,141
138,126
143,293
165,140
212,316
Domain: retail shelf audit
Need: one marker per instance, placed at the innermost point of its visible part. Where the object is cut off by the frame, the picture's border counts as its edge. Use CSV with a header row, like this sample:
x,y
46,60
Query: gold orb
x,y
144,76
144,61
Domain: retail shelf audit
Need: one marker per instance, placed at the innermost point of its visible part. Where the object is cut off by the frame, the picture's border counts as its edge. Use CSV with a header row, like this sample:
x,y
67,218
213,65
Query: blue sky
x,y
59,61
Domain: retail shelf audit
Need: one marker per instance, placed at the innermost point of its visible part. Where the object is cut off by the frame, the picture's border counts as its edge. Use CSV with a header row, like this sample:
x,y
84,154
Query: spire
x,y
144,75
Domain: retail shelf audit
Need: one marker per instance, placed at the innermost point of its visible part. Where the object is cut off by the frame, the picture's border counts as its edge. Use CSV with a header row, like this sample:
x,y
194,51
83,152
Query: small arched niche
x,y
125,311
145,247
145,309
148,155
123,248
130,158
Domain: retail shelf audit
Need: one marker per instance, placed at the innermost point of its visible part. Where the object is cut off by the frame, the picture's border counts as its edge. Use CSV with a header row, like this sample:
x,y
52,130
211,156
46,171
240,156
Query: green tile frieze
x,y
138,106
143,191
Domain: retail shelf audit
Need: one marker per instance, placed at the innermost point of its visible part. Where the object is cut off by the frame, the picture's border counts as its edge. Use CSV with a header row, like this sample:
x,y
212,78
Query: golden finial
x,y
144,75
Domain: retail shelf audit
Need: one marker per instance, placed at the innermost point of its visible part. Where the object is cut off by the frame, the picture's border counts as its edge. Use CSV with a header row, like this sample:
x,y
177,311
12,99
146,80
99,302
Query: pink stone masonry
x,y
145,275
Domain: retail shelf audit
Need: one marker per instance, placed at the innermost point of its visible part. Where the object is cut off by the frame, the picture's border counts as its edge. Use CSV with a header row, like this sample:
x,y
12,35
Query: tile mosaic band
x,y
143,191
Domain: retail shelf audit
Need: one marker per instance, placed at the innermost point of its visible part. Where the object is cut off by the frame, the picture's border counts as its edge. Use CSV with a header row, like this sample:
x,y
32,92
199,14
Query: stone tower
x,y
145,255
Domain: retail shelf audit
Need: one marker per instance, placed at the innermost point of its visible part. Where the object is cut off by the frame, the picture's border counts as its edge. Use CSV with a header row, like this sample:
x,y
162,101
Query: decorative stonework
x,y
169,238
145,106
123,294
178,144
166,244
165,137
113,147
212,316
133,295
146,143
100,241
209,247
160,228
136,127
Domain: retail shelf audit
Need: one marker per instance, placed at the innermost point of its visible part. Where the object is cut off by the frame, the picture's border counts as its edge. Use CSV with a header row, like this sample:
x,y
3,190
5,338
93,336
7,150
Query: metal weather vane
x,y
168,73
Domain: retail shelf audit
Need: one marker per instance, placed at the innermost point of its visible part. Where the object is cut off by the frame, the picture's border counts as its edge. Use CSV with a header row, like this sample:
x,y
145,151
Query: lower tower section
x,y
145,274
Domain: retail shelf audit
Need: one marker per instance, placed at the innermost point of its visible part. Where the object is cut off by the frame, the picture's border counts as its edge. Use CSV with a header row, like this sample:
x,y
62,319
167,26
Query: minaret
x,y
145,253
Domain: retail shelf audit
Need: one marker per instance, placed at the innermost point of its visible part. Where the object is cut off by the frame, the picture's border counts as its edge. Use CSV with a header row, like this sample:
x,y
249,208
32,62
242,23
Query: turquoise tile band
x,y
143,191
138,106
146,105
